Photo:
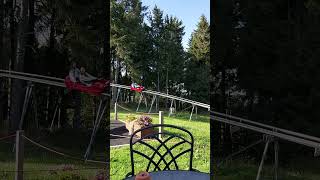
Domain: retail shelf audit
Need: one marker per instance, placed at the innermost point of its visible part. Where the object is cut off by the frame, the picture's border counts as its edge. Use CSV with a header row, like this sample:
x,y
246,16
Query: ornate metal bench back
x,y
162,143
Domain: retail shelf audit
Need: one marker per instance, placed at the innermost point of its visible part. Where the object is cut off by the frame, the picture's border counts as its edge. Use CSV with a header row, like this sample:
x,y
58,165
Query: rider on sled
x,y
83,81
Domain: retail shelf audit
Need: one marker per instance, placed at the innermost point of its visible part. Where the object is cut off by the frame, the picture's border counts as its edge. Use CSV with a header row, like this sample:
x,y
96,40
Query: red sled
x,y
97,87
136,87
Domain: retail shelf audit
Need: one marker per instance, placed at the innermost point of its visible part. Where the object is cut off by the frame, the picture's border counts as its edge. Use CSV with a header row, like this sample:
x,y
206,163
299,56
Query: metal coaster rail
x,y
60,82
271,133
207,106
296,137
232,120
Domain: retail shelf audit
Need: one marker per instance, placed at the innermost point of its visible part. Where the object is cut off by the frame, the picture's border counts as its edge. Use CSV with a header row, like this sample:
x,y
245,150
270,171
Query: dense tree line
x,y
266,65
43,37
147,48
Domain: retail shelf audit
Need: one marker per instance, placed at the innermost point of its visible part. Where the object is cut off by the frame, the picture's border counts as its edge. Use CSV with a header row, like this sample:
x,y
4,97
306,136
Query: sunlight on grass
x,y
200,129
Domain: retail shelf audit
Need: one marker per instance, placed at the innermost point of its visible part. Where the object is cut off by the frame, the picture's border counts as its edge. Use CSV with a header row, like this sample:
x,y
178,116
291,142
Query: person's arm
x,y
77,75
84,80
90,77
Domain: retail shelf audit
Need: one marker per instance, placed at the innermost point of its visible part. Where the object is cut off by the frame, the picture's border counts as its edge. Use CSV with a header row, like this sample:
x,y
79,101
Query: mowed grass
x,y
246,170
238,169
199,126
40,164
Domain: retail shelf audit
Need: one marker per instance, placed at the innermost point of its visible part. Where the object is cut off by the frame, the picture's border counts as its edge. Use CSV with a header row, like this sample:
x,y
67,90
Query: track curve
x,y
54,81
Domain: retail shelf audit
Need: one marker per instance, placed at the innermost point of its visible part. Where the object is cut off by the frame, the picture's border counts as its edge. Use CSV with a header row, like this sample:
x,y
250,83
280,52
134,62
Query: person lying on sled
x,y
86,78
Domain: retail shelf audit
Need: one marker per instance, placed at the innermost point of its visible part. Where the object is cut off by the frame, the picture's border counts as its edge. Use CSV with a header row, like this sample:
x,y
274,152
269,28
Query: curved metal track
x,y
207,106
296,137
60,82
53,81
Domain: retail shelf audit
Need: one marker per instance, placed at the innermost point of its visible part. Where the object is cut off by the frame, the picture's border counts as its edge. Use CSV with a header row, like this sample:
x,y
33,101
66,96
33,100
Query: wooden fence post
x,y
19,155
160,122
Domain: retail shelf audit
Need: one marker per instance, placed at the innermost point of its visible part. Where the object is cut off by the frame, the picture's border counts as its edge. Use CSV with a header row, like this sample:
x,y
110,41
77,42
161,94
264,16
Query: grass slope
x,y
200,128
40,164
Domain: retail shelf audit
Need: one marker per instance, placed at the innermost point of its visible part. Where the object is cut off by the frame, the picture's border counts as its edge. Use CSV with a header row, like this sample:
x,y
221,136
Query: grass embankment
x,y
40,164
296,169
200,128
240,170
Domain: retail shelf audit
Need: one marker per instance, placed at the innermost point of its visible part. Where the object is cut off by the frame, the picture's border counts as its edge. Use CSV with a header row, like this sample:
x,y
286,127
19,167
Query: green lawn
x,y
200,128
248,170
298,169
40,164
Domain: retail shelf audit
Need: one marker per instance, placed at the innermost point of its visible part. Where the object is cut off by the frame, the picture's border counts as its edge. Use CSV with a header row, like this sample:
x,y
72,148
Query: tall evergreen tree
x,y
17,85
197,67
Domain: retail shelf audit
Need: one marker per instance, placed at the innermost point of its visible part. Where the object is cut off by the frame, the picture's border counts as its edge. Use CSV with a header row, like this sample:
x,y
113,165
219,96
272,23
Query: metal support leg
x,y
152,102
276,159
25,104
118,93
170,107
145,102
141,96
100,104
54,116
263,157
196,112
116,111
95,128
191,112
59,115
56,110
127,97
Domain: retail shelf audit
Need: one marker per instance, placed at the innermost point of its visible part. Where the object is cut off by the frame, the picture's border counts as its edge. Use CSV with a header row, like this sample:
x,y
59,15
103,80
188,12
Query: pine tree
x,y
197,65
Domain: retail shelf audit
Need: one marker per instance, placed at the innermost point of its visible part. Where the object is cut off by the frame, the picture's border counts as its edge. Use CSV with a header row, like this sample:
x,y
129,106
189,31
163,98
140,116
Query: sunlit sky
x,y
189,11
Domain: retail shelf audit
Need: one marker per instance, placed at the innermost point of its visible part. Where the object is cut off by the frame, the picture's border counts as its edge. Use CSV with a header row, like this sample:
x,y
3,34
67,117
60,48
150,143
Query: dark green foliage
x,y
151,52
197,65
271,68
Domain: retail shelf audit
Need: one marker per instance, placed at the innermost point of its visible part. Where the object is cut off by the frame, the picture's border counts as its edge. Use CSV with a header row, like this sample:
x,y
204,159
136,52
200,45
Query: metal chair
x,y
161,142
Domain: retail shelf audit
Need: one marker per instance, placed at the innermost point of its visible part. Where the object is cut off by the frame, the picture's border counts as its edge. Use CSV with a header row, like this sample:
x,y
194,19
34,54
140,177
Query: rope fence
x,y
240,151
60,153
126,109
7,137
48,170
19,151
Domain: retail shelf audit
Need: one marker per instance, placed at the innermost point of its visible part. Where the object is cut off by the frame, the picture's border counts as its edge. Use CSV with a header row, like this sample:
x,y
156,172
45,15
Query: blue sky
x,y
189,11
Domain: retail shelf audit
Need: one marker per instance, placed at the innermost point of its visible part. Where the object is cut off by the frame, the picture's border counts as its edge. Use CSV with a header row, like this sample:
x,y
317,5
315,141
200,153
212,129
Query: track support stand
x,y
102,107
191,112
25,104
152,102
140,99
268,140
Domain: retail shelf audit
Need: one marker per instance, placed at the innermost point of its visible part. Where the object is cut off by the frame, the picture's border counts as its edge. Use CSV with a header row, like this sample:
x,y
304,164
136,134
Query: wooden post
x,y
115,111
160,122
19,155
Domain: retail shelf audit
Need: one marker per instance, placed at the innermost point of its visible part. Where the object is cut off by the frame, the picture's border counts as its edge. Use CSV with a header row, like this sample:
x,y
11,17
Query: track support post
x,y
25,104
191,112
268,139
99,117
276,159
118,93
115,111
19,155
141,97
152,102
